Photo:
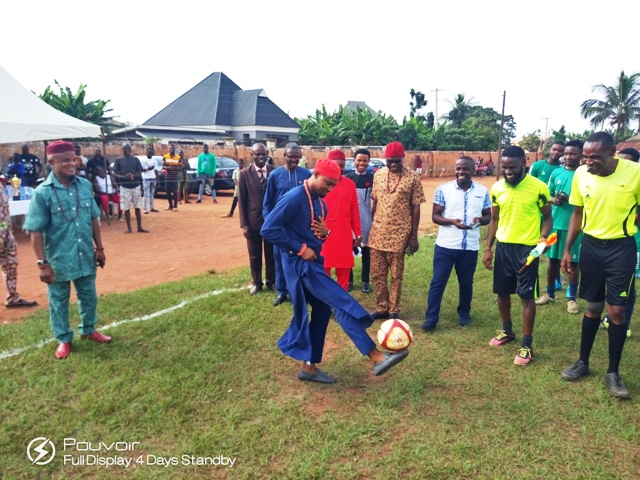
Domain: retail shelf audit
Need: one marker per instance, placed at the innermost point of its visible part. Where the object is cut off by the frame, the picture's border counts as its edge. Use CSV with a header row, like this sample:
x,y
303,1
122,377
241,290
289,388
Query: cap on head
x,y
60,147
328,168
337,155
394,150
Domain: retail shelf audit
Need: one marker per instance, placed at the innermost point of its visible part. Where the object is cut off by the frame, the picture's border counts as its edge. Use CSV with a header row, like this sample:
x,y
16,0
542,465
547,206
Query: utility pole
x,y
498,170
436,119
543,145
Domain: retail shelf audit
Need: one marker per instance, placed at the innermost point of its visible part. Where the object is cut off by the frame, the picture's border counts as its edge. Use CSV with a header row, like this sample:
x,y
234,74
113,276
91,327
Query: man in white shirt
x,y
459,207
149,180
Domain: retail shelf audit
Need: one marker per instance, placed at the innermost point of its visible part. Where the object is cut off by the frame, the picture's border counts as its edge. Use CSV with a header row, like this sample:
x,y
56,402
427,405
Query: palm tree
x,y
621,104
460,110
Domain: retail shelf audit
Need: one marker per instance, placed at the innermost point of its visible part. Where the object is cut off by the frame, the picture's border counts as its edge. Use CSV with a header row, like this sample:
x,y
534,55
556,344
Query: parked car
x,y
225,167
194,183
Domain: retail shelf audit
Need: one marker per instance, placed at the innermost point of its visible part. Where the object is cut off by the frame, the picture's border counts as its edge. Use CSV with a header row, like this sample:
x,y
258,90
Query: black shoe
x,y
350,287
390,360
271,286
379,315
464,321
319,377
576,371
613,381
254,289
365,287
395,315
154,210
279,299
428,326
198,201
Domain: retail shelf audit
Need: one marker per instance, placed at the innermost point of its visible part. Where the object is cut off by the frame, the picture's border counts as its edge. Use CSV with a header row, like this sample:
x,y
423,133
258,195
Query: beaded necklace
x,y
55,191
322,210
389,179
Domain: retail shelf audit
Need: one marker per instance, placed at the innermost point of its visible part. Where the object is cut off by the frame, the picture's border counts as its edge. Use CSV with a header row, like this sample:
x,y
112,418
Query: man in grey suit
x,y
252,182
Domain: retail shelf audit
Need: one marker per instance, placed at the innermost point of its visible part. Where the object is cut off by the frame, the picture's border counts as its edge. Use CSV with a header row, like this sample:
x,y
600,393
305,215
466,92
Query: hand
x,y
357,242
458,224
413,245
246,232
308,254
130,176
99,258
319,228
487,259
565,264
46,275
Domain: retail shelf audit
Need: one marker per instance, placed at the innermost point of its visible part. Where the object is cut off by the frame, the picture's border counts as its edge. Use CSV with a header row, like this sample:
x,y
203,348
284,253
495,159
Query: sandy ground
x,y
180,244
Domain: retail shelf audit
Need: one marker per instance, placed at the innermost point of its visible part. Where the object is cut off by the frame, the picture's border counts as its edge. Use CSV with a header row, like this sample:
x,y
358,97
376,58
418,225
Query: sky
x,y
141,55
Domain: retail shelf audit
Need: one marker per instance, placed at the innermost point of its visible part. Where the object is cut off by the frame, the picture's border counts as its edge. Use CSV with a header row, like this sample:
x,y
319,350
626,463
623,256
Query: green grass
x,y
207,379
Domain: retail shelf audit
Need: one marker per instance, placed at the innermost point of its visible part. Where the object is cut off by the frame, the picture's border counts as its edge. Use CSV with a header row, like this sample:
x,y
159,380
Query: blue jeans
x,y
149,188
444,260
204,178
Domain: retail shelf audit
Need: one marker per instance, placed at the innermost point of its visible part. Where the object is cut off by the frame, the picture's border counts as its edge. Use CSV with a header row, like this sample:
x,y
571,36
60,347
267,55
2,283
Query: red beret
x,y
328,168
337,155
394,150
60,147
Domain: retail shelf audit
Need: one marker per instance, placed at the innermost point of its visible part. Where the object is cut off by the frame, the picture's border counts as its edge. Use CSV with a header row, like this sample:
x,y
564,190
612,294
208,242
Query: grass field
x,y
205,379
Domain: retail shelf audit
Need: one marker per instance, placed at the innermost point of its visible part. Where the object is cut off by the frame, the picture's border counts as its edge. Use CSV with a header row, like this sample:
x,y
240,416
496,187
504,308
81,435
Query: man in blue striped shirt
x,y
459,207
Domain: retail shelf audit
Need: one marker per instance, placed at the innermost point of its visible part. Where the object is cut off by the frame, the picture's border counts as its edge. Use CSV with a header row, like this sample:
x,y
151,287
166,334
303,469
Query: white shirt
x,y
463,205
146,163
104,184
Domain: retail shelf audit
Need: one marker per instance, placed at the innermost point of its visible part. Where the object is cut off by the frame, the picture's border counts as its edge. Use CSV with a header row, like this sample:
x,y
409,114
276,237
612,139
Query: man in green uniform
x,y
63,220
605,193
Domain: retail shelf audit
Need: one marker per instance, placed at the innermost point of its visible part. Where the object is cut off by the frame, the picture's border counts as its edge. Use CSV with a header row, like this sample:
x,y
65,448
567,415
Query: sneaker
x,y
524,356
145,212
616,387
544,299
502,338
365,287
429,326
576,371
604,324
464,321
572,307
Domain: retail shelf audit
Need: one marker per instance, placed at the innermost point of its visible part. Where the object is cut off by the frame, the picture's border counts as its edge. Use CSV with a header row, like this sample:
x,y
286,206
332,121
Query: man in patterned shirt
x,y
397,195
517,204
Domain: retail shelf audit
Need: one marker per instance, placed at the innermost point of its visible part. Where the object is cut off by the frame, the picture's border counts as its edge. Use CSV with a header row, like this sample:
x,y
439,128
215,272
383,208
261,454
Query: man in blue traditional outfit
x,y
296,226
279,182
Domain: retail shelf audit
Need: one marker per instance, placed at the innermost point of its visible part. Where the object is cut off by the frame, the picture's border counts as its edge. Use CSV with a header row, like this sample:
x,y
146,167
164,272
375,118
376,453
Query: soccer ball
x,y
395,335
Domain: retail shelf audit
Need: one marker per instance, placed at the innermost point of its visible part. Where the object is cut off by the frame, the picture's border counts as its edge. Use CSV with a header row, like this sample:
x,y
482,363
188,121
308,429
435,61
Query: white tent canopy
x,y
24,117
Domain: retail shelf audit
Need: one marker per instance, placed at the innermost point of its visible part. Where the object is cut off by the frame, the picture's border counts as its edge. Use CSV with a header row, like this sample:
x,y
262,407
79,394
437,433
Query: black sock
x,y
590,328
617,337
508,327
527,340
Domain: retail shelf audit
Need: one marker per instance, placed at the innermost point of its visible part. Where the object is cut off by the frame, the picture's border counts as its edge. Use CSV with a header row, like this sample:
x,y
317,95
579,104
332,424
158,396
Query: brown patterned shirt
x,y
395,199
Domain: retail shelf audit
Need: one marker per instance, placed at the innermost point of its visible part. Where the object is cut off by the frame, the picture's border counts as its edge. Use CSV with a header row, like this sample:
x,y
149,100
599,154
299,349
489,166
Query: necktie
x,y
263,179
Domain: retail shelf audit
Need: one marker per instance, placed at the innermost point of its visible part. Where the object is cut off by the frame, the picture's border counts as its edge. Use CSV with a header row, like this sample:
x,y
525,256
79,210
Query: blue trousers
x,y
59,294
281,280
444,260
204,178
309,284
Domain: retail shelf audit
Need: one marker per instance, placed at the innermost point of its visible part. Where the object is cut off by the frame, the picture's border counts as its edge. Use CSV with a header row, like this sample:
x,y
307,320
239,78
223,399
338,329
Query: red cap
x,y
328,168
394,150
60,147
337,155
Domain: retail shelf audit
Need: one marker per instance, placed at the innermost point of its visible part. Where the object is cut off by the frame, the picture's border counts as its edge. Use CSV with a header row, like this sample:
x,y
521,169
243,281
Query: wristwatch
x,y
43,263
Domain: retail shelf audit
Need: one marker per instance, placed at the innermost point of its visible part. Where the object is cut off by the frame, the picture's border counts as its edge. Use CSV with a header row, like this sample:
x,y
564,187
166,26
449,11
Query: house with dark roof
x,y
217,108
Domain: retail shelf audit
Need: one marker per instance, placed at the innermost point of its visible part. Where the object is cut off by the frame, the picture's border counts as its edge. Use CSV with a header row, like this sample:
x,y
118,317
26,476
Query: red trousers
x,y
104,199
342,274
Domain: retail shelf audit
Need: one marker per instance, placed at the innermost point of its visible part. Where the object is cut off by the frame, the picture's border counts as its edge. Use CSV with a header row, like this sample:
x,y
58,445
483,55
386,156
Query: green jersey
x,y
542,170
560,182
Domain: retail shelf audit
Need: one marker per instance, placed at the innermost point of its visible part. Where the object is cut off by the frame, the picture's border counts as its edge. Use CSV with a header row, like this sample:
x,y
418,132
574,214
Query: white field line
x,y
184,303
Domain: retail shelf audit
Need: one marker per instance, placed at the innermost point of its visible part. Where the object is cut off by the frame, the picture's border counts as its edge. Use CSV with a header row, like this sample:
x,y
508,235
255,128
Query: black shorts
x,y
607,269
510,257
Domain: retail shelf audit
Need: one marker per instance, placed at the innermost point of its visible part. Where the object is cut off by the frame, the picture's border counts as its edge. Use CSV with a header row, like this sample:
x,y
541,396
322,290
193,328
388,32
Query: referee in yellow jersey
x,y
605,193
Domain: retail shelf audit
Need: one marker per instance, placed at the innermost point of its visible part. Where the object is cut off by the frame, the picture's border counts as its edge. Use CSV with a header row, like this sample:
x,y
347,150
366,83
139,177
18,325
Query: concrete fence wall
x,y
435,163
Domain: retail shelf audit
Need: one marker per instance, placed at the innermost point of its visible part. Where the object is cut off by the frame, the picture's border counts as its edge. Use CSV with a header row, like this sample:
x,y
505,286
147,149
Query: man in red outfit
x,y
343,221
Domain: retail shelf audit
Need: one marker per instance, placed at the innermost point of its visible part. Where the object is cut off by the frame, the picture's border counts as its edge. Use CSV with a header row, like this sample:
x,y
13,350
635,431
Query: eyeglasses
x,y
398,160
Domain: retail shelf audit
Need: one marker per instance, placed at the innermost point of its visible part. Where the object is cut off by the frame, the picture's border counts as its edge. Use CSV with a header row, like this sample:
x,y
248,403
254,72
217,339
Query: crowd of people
x,y
306,225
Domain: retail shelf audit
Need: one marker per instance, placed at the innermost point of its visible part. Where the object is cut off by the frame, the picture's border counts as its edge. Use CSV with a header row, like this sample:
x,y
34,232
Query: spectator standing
x,y
206,172
149,180
234,177
127,170
172,166
32,167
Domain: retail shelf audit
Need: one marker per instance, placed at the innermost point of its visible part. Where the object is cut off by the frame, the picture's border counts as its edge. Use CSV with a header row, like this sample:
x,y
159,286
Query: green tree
x,y
620,106
531,141
417,103
461,108
75,105
560,135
